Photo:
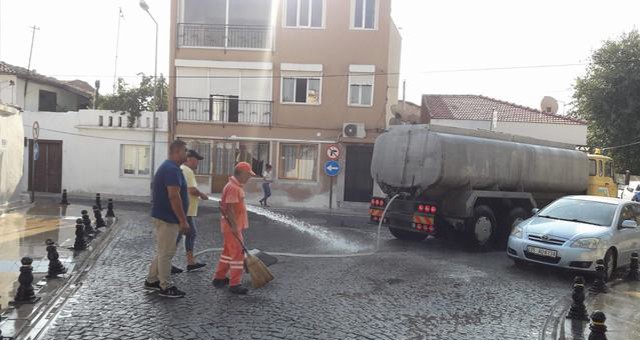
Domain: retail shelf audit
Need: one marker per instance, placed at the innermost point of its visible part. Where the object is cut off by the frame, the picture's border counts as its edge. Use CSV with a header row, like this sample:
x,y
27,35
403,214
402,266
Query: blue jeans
x,y
190,239
266,188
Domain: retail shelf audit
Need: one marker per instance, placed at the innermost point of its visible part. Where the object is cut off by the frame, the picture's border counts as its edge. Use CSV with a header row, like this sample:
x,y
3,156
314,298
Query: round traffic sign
x,y
331,168
35,130
333,152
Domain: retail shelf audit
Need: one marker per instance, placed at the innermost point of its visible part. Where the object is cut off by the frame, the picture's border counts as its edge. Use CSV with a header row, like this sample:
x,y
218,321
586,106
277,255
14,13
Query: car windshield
x,y
591,212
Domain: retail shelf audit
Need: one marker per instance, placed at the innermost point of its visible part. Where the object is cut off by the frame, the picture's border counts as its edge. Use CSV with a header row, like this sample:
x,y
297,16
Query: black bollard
x,y
98,216
599,284
25,293
597,327
64,200
110,212
633,268
55,266
578,310
98,202
86,221
80,243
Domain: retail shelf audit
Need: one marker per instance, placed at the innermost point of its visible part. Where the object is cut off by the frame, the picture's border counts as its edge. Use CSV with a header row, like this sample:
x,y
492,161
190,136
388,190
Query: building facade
x,y
93,151
277,82
35,92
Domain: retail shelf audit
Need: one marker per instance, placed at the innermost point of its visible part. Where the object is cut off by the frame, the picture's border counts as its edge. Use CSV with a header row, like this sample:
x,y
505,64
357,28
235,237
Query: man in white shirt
x,y
267,179
194,197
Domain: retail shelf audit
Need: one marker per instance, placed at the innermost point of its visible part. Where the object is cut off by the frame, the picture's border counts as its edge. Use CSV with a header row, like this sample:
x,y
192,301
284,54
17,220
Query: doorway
x,y
358,183
48,167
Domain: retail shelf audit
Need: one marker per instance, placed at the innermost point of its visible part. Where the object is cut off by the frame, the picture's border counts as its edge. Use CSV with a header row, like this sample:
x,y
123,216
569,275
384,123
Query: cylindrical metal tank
x,y
437,158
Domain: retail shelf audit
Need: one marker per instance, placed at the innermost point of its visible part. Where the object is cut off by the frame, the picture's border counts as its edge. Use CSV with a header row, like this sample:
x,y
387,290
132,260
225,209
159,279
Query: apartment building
x,y
277,82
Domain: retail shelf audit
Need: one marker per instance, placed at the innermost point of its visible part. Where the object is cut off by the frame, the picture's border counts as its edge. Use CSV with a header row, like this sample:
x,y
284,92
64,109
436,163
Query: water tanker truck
x,y
475,185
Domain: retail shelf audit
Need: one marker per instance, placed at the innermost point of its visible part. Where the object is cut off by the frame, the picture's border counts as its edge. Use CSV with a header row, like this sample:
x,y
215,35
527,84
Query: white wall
x,y
15,94
91,155
571,134
11,149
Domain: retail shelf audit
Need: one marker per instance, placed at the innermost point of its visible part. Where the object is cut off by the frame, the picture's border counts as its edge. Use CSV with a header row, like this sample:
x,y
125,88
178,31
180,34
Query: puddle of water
x,y
333,241
23,233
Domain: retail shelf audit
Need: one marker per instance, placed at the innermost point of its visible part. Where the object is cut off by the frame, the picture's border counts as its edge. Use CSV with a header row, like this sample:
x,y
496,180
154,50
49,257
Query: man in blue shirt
x,y
169,212
636,197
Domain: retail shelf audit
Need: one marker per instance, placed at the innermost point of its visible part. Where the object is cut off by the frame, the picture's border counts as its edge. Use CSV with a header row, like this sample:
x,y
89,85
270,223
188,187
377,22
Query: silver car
x,y
575,231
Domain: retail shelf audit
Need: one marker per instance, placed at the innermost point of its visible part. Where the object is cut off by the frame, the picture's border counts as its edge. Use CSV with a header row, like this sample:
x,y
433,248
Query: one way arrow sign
x,y
332,168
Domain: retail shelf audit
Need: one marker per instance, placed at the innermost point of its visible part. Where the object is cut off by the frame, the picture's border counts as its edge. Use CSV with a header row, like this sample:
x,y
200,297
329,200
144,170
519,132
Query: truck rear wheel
x,y
481,228
515,216
407,235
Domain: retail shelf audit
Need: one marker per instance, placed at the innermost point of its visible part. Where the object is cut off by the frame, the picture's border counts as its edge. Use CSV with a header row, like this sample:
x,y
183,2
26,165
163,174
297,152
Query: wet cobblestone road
x,y
426,290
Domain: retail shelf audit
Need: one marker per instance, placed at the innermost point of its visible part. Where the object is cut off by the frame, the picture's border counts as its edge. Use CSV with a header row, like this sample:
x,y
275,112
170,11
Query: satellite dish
x,y
549,105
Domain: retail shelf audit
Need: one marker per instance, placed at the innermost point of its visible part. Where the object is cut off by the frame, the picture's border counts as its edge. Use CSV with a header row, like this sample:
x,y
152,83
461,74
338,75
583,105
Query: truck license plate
x,y
542,251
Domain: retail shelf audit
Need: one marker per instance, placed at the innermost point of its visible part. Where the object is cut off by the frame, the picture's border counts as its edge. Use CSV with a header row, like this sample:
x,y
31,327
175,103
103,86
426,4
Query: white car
x,y
630,190
575,231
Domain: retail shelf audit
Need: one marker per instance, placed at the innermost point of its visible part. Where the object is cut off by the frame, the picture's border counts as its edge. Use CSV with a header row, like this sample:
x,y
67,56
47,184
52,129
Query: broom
x,y
260,274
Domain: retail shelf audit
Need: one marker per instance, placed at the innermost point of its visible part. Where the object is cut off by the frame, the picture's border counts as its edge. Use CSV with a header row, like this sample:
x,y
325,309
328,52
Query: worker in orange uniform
x,y
234,221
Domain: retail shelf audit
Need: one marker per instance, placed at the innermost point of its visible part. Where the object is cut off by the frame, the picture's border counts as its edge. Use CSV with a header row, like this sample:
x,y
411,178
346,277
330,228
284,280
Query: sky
x,y
449,46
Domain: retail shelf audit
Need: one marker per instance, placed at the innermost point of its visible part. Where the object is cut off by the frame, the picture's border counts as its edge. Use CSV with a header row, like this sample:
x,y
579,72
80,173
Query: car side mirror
x,y
629,189
628,224
535,211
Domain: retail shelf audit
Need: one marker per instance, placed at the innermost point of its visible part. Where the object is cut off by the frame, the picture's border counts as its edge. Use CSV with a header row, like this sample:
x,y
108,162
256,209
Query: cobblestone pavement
x,y
426,290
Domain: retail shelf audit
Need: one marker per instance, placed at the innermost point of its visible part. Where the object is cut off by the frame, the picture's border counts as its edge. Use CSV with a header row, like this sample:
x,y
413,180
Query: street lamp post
x,y
145,7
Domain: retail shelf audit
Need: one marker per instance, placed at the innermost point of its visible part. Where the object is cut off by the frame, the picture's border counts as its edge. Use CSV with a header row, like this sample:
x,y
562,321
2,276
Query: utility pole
x,y
34,28
115,68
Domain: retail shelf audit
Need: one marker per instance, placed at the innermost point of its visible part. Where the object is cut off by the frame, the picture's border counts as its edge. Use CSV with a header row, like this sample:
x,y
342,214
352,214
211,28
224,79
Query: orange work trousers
x,y
232,258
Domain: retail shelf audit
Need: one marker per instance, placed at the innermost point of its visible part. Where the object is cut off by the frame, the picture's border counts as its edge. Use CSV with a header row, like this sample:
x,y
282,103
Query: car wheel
x,y
407,235
610,264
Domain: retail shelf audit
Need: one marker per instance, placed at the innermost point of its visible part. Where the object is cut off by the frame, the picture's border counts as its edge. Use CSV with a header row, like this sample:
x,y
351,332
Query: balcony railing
x,y
220,109
225,36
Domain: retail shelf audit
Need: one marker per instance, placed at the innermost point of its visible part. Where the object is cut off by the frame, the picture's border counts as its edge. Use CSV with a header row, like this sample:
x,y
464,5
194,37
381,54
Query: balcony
x,y
225,36
221,109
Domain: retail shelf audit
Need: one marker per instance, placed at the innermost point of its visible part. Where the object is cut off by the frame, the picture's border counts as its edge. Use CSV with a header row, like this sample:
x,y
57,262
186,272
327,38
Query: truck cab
x,y
601,176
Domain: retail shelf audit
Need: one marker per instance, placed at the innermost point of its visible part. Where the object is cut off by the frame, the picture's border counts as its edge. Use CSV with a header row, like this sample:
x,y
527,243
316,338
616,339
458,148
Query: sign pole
x,y
331,192
35,150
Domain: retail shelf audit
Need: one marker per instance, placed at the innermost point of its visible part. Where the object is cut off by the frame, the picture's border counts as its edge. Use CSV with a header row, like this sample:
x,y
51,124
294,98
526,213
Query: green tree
x,y
132,101
608,96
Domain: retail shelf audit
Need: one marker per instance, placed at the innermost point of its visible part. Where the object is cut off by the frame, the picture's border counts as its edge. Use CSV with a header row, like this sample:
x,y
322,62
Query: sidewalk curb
x,y
558,331
42,314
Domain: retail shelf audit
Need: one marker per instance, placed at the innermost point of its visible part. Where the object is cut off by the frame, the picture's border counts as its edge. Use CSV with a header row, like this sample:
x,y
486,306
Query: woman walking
x,y
267,179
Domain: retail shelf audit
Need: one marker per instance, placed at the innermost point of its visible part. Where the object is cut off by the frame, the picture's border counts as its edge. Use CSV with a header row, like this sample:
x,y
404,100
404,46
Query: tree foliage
x,y
608,96
132,101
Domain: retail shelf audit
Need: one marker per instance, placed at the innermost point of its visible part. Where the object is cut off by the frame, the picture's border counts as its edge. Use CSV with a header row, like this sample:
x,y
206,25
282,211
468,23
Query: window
x,y
254,153
364,14
304,13
608,169
100,120
47,101
301,90
361,85
630,212
148,120
204,166
593,167
110,121
119,121
298,161
135,160
600,170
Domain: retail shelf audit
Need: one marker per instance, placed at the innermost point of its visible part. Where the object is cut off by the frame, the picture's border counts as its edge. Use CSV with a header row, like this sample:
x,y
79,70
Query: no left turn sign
x,y
333,152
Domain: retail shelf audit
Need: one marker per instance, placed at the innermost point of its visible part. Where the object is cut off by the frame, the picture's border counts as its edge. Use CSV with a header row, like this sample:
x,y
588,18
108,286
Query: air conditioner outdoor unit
x,y
354,130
